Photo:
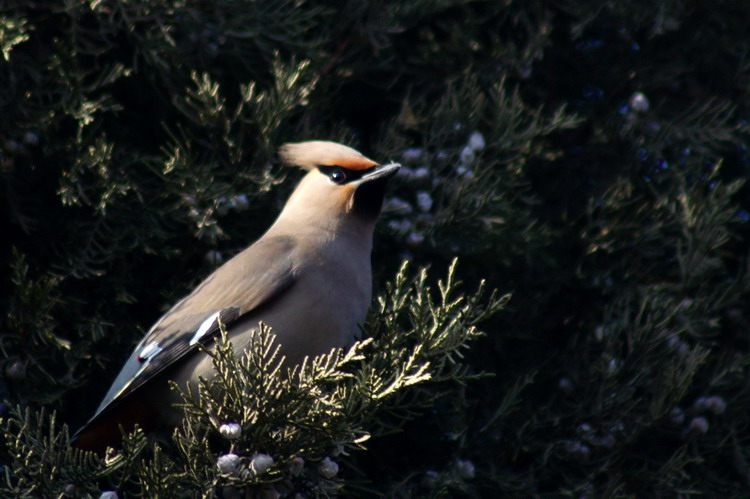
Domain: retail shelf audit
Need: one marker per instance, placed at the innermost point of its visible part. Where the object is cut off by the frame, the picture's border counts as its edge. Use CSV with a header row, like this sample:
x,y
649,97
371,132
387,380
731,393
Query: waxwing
x,y
308,277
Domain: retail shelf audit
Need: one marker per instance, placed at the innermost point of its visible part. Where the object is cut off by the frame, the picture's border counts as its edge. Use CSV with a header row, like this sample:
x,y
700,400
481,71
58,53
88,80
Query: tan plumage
x,y
308,277
311,154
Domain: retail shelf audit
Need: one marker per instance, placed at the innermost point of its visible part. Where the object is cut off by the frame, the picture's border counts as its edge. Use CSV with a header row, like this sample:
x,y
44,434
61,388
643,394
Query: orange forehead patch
x,y
313,153
361,163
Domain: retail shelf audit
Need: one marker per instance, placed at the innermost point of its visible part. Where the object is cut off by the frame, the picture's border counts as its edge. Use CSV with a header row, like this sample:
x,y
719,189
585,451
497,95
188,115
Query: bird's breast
x,y
321,311
324,307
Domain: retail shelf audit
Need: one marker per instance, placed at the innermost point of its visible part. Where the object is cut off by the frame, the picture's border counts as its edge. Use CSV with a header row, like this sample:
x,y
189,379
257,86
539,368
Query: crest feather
x,y
314,153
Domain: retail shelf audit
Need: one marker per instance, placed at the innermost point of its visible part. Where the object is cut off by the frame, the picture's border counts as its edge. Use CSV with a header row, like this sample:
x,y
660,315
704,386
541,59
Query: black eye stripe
x,y
349,175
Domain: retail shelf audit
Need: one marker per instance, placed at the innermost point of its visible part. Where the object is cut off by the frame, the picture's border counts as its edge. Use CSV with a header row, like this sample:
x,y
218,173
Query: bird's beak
x,y
379,172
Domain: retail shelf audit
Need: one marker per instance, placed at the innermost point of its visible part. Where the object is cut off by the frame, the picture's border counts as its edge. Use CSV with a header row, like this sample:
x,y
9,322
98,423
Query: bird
x,y
308,277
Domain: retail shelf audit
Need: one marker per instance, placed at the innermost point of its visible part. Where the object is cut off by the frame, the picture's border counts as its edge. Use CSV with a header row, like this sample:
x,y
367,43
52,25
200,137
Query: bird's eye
x,y
337,177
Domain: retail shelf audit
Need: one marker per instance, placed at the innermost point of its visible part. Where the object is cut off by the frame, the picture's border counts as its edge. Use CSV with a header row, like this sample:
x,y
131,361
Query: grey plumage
x,y
308,277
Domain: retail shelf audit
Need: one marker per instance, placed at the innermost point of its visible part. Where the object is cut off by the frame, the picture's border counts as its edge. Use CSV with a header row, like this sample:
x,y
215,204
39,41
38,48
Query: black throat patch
x,y
368,198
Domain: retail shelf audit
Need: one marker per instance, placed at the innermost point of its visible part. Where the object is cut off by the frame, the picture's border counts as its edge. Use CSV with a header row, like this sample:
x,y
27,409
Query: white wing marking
x,y
149,351
204,327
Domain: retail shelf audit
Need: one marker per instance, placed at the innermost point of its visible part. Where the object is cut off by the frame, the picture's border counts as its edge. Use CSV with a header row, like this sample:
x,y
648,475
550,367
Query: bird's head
x,y
341,183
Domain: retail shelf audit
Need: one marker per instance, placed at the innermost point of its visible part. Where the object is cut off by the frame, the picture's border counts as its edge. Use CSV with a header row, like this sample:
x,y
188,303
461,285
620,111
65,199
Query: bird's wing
x,y
250,280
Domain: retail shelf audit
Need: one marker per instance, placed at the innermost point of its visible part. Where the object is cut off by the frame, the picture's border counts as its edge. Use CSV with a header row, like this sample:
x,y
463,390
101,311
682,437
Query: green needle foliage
x,y
330,405
591,158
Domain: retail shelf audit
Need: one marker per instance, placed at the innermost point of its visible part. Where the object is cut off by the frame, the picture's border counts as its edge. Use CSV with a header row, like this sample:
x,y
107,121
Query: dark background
x,y
137,148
